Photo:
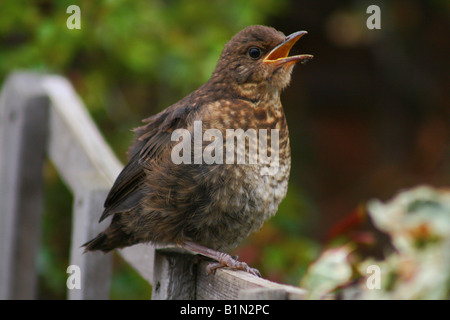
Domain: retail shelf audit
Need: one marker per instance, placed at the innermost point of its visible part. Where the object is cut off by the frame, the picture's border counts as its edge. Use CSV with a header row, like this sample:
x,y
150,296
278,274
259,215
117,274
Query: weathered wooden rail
x,y
41,115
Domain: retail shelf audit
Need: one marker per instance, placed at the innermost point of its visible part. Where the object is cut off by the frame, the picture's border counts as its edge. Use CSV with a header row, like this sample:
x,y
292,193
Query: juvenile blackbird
x,y
206,207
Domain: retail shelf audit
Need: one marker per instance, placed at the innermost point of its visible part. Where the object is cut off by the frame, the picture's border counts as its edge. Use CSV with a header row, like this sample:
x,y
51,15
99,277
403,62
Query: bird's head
x,y
260,55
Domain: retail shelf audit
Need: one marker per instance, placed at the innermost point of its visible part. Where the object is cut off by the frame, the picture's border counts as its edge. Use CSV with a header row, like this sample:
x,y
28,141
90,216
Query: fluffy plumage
x,y
212,205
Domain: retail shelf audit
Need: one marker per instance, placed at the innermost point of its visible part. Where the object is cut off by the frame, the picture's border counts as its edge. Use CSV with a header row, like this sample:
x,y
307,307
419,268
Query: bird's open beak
x,y
279,55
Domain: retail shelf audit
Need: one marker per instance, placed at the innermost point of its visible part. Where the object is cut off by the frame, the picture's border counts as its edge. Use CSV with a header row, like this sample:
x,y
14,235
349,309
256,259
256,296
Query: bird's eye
x,y
254,52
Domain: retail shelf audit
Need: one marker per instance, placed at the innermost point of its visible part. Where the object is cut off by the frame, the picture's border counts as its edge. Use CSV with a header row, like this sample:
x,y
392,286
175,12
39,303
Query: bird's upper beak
x,y
279,55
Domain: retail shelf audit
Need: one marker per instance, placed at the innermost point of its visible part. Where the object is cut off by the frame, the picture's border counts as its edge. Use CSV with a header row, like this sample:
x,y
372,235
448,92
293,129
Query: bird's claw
x,y
229,262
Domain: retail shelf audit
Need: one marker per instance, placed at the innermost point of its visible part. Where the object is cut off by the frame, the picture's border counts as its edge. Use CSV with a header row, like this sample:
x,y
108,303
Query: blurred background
x,y
369,116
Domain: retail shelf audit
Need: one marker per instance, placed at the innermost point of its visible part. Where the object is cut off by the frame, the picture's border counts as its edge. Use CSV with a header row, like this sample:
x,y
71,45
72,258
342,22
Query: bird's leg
x,y
223,259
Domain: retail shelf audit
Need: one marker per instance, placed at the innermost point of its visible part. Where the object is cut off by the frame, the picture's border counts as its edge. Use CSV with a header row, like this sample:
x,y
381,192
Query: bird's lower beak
x,y
279,55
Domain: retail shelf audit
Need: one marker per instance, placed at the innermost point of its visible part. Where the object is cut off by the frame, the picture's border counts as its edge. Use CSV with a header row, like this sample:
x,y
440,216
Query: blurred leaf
x,y
418,222
330,271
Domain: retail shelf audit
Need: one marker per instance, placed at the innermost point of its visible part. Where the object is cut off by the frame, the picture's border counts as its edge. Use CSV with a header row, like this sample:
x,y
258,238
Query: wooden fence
x,y
41,116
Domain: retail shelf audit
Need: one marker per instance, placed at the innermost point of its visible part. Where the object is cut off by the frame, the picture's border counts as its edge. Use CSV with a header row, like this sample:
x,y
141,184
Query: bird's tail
x,y
108,240
98,243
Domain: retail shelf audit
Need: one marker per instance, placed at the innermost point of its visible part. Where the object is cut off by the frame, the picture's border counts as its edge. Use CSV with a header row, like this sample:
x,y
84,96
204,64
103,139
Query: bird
x,y
209,207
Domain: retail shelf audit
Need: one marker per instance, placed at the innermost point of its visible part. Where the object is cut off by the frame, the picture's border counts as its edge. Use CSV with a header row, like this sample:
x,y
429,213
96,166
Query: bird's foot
x,y
224,260
231,263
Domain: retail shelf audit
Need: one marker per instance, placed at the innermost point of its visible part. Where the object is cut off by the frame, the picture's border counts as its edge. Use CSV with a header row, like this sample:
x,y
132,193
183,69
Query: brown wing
x,y
151,139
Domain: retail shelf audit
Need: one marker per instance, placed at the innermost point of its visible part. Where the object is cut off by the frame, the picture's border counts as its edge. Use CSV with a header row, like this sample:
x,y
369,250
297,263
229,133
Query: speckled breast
x,y
244,196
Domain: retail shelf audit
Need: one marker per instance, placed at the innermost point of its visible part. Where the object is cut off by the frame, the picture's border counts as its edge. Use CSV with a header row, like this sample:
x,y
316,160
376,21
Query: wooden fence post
x,y
95,268
23,134
174,275
88,167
